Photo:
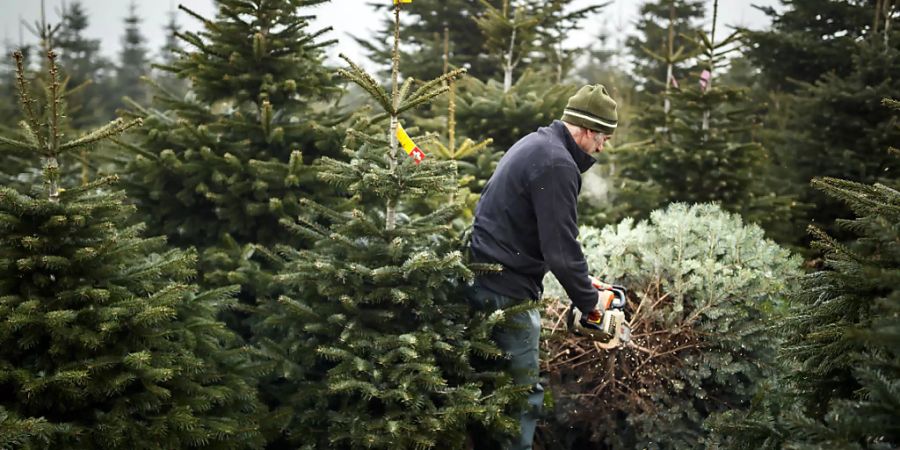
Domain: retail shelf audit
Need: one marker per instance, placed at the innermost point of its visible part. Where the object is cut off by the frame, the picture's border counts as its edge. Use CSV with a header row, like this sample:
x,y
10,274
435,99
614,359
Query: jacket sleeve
x,y
554,195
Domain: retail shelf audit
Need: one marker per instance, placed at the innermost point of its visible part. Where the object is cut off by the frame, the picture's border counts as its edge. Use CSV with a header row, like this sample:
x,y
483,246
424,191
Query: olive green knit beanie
x,y
592,107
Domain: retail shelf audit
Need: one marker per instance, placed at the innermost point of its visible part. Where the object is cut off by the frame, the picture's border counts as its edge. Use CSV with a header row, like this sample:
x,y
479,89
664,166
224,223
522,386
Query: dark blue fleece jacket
x,y
526,219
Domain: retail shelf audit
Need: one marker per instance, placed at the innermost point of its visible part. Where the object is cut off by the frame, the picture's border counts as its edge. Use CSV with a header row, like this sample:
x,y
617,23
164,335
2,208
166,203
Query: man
x,y
526,221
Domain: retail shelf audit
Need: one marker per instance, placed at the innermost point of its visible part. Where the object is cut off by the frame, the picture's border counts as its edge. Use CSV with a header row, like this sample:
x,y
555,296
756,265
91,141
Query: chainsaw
x,y
608,329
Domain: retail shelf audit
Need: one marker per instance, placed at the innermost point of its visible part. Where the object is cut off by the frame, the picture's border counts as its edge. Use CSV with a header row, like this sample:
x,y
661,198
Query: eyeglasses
x,y
601,137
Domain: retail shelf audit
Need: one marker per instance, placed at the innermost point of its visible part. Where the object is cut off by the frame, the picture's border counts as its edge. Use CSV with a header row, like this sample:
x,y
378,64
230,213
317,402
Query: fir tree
x,y
20,173
169,54
656,37
838,128
133,63
825,66
840,381
703,286
559,21
218,168
12,162
703,148
809,38
510,34
88,73
378,344
530,34
533,101
423,36
474,160
103,342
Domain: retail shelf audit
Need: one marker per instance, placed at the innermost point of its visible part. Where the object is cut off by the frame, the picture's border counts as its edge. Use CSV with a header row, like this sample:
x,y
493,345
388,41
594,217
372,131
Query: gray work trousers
x,y
520,341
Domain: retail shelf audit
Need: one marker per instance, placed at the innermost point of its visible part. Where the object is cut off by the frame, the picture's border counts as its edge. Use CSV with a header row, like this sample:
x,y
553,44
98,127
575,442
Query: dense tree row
x,y
268,269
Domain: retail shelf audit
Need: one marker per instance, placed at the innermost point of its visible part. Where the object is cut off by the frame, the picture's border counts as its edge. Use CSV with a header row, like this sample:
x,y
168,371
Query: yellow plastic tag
x,y
409,146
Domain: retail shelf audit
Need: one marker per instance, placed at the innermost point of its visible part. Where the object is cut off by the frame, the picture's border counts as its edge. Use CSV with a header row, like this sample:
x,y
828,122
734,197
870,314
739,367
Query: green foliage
x,y
840,360
704,286
374,344
795,49
481,37
510,33
530,33
703,148
486,111
170,52
692,164
133,60
227,161
558,22
651,46
89,100
423,39
824,67
104,344
844,130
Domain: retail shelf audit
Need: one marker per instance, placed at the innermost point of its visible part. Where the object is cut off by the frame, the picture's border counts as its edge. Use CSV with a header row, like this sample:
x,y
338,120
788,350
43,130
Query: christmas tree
x,y
703,286
661,26
822,100
218,168
169,53
89,98
104,343
533,101
792,49
702,148
840,380
423,39
379,348
19,172
133,61
837,127
474,160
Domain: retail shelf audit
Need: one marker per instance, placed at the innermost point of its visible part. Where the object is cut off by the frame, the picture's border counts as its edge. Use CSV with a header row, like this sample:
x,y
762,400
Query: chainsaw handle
x,y
620,298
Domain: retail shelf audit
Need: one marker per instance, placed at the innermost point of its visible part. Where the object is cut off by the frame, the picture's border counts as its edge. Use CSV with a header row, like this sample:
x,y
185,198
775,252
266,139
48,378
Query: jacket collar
x,y
583,160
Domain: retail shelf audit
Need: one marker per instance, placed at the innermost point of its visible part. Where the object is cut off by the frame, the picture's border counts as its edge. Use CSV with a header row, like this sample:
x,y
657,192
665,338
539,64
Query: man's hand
x,y
605,296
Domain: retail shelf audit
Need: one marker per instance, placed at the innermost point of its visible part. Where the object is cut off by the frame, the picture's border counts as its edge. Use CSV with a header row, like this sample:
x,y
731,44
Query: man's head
x,y
594,114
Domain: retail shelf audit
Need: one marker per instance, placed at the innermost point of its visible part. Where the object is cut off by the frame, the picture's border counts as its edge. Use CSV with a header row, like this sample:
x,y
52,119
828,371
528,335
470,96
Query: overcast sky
x,y
345,16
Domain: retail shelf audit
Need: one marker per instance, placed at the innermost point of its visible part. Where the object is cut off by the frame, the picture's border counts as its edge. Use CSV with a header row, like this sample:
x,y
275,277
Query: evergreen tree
x,y
12,162
824,117
840,381
218,168
510,34
474,160
133,61
656,37
8,112
809,38
530,33
88,73
558,22
703,148
533,101
423,39
18,170
837,127
378,343
482,37
103,342
170,52
703,286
